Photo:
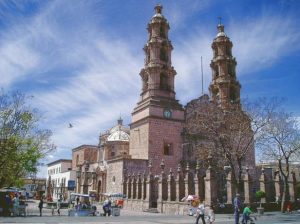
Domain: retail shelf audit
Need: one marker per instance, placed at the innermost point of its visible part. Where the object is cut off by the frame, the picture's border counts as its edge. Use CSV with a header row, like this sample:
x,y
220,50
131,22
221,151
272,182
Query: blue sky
x,y
81,59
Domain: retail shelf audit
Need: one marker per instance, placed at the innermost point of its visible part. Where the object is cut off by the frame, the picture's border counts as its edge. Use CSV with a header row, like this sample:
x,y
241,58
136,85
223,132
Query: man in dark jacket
x,y
41,206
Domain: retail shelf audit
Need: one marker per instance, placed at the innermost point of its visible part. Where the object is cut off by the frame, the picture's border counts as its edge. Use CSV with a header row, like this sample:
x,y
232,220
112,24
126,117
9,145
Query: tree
x,y
227,134
259,195
22,142
280,141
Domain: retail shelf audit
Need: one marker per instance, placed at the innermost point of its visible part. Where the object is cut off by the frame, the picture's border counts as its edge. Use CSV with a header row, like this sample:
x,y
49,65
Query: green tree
x,y
259,195
22,142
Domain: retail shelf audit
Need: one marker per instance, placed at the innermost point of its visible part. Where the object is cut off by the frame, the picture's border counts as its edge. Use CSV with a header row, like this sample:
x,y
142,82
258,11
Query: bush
x,y
260,194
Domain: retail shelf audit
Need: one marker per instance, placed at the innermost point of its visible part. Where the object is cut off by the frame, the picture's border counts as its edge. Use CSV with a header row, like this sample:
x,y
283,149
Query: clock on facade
x,y
167,113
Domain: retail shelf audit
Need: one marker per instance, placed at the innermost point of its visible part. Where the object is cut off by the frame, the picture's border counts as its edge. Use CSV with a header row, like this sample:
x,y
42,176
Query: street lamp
x,y
78,173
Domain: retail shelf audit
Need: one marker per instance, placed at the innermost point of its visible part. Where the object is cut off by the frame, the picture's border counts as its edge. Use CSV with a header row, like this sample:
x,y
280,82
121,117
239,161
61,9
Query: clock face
x,y
167,113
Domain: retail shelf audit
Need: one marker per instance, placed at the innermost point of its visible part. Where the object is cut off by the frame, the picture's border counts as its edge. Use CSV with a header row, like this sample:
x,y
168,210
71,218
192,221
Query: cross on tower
x,y
220,20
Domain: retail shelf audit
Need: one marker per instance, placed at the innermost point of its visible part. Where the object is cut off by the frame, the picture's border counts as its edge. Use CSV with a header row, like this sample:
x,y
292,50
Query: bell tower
x,y
158,74
158,117
224,88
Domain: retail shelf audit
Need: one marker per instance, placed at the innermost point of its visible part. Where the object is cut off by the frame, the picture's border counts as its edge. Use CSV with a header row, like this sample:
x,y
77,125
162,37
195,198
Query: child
x,y
246,214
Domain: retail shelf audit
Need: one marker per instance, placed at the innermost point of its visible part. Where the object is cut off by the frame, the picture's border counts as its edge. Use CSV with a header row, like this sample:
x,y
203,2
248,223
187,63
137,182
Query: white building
x,y
59,173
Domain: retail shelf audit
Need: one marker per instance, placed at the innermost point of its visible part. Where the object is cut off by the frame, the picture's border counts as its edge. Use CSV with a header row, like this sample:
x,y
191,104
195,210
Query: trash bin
x,y
115,211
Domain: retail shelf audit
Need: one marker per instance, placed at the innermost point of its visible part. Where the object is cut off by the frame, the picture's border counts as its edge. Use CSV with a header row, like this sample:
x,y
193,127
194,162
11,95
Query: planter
x,y
260,210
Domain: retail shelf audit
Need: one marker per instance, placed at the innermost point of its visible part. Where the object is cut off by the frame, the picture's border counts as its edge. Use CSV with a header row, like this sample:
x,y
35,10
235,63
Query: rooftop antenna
x,y
202,75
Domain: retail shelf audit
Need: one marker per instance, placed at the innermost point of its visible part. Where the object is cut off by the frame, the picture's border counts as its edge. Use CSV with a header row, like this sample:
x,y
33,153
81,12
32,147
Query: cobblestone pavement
x,y
138,218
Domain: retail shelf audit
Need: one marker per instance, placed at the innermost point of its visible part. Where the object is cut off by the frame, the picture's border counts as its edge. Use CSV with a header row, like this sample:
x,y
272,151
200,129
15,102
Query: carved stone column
x,y
277,185
210,185
160,192
229,188
262,184
186,180
129,186
247,188
177,183
292,183
149,182
196,179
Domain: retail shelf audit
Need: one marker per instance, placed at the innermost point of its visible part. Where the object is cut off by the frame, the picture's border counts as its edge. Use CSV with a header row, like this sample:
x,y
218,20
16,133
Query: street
x,y
138,218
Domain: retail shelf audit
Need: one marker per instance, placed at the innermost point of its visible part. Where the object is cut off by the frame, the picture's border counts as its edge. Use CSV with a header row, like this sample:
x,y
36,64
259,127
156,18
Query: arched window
x,y
232,95
168,149
228,50
216,52
162,32
163,54
216,70
229,70
163,81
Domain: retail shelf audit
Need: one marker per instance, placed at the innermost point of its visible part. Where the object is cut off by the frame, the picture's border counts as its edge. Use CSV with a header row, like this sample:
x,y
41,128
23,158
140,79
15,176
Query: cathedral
x,y
154,146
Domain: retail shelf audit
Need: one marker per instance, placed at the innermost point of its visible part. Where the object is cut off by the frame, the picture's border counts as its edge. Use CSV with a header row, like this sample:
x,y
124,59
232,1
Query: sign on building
x,y
71,185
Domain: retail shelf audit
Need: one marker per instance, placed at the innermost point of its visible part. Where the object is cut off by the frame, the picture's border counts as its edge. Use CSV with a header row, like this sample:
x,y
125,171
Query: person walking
x,y
58,206
16,204
41,205
200,212
107,207
237,208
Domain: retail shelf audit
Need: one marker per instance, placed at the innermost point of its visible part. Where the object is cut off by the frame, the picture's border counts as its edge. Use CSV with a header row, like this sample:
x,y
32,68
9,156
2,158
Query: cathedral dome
x,y
119,127
119,132
118,136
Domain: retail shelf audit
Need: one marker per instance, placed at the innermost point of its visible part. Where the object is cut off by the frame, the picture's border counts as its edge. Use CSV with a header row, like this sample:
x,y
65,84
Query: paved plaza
x,y
138,218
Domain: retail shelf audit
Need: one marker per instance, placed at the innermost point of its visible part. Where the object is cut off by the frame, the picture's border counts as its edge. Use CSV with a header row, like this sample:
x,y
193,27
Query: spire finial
x,y
220,20
120,120
220,25
158,9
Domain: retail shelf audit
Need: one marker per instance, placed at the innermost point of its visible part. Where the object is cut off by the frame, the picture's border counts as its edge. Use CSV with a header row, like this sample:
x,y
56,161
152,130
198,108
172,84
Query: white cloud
x,y
187,62
178,13
261,42
17,61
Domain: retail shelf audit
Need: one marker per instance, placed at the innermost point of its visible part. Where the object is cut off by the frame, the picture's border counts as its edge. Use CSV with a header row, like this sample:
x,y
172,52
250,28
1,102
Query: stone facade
x,y
145,161
158,118
84,153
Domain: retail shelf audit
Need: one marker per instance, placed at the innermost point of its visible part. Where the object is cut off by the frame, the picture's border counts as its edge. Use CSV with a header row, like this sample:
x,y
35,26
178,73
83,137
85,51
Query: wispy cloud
x,y
262,41
85,76
93,70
